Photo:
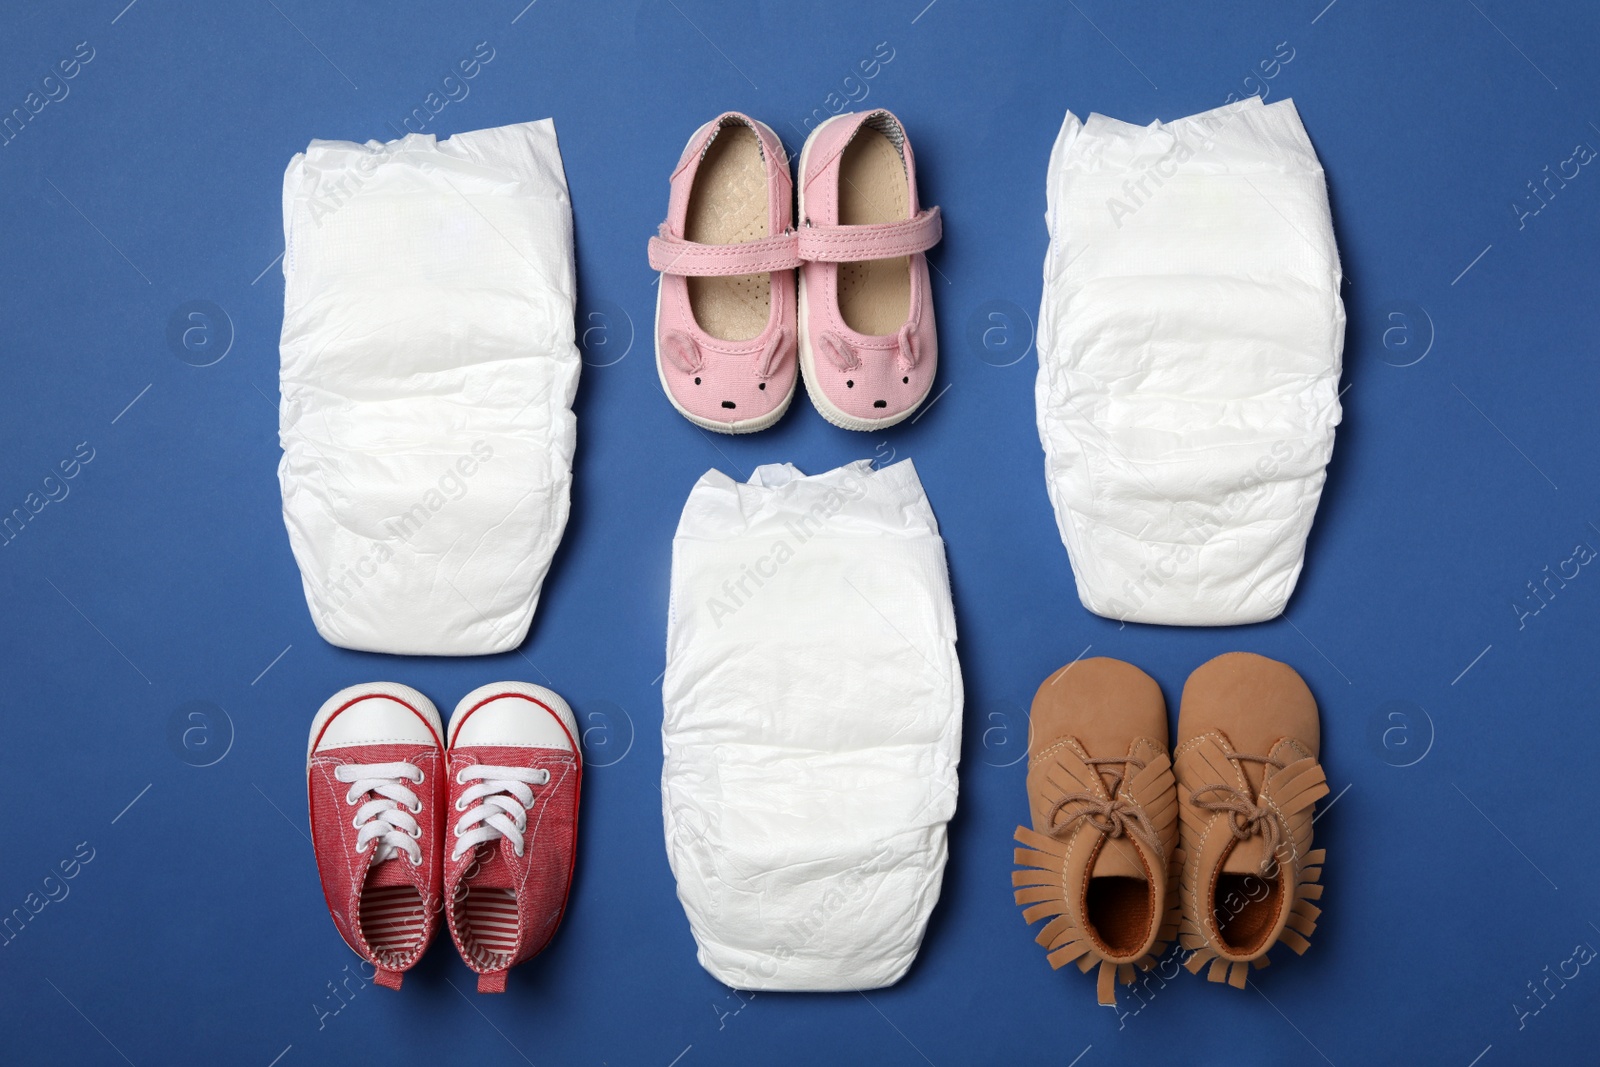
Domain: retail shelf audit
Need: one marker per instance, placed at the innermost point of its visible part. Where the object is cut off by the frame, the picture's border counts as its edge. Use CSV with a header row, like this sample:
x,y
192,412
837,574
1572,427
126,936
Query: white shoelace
x,y
503,798
389,817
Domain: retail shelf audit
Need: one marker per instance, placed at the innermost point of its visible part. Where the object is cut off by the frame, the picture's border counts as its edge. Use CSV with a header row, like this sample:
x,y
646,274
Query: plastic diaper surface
x,y
812,724
1190,339
427,376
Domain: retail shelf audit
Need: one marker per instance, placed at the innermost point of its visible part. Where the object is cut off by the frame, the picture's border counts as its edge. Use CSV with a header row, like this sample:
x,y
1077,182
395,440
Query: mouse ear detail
x,y
906,343
777,348
680,348
838,351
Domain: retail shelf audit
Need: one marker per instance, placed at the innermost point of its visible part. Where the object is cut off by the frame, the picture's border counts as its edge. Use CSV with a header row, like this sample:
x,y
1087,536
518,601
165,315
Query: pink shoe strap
x,y
844,244
673,255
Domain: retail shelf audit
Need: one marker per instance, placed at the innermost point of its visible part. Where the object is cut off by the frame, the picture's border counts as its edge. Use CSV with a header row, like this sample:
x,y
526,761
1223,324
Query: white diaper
x,y
812,724
428,371
1189,351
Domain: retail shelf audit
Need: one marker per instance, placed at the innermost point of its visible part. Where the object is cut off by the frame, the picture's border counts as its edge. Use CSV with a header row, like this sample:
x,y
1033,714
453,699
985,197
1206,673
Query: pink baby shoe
x,y
867,343
516,772
725,317
375,783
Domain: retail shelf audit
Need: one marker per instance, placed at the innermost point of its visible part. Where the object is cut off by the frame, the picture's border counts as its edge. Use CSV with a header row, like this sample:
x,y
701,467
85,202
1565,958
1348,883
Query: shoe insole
x,y
486,918
1244,916
392,916
1119,910
875,295
728,205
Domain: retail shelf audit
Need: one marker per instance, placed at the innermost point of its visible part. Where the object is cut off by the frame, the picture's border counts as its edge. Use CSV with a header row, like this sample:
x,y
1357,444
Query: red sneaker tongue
x,y
395,871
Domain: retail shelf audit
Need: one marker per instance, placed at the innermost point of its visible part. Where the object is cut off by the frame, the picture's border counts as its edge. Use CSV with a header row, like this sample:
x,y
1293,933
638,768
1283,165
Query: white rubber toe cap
x,y
376,713
514,714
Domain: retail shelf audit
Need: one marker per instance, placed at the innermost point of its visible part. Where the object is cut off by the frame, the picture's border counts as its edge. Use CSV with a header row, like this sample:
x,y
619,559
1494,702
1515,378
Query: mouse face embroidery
x,y
727,388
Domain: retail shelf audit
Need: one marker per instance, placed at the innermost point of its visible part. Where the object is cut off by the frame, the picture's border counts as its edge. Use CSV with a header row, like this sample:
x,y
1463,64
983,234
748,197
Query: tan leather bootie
x,y
1101,858
1248,781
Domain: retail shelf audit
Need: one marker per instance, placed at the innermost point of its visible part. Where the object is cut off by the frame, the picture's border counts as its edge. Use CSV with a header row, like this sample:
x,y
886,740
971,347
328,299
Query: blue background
x,y
161,668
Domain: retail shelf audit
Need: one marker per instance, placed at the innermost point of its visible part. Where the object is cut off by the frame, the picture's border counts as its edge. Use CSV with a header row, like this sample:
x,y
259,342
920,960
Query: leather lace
x,y
1247,818
1113,816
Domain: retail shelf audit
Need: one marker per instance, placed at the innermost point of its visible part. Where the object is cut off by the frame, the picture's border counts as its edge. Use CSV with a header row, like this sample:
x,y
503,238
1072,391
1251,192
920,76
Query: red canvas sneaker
x,y
375,783
515,773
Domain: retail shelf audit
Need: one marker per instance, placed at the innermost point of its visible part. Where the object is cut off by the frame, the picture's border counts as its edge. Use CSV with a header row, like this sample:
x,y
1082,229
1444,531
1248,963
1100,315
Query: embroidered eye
x,y
850,385
697,381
